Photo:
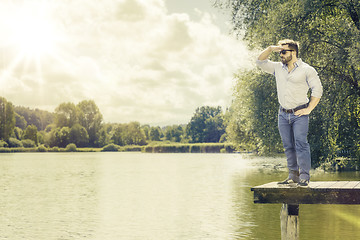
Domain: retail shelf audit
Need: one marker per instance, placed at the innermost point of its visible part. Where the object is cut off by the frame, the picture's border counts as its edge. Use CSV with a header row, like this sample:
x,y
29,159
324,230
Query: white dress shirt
x,y
293,87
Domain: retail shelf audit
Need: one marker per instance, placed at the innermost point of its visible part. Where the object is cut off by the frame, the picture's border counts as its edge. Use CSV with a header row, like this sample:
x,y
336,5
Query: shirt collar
x,y
296,64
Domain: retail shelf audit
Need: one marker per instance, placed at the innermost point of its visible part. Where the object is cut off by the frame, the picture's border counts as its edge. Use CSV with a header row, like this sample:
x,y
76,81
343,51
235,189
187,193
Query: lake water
x,y
128,196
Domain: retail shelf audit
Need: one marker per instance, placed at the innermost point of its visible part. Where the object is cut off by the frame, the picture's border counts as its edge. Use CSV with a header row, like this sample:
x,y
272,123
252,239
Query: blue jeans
x,y
293,131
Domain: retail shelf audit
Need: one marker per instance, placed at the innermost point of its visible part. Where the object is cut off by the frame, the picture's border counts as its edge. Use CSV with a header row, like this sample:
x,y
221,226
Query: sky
x,y
150,61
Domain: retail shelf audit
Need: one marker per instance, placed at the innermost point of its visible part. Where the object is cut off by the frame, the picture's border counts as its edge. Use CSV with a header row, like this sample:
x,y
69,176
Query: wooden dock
x,y
291,196
335,192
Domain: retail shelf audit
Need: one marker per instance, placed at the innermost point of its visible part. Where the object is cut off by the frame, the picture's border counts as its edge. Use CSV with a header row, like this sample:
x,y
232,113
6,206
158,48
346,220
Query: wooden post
x,y
289,221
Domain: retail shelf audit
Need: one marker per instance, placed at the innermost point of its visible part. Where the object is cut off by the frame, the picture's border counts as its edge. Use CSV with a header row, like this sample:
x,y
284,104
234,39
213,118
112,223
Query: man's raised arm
x,y
266,53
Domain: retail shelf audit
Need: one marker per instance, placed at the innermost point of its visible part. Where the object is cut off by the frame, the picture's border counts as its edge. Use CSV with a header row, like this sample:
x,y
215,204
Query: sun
x,y
33,35
33,31
31,38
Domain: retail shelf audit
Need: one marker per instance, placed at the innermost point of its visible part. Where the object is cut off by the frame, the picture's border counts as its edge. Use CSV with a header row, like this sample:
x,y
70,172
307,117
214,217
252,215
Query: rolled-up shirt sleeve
x,y
314,83
266,66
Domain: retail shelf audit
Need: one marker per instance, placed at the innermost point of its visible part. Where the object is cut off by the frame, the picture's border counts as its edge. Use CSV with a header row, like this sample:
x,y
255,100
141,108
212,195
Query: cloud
x,y
135,59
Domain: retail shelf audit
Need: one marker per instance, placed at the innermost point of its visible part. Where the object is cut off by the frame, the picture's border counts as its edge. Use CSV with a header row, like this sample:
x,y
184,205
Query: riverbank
x,y
151,148
340,164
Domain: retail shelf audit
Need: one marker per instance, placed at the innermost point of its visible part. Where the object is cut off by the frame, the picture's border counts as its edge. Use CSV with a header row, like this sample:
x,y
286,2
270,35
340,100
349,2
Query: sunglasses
x,y
284,51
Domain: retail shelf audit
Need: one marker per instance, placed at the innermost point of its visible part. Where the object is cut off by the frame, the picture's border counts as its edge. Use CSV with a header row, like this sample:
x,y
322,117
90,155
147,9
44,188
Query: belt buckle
x,y
288,110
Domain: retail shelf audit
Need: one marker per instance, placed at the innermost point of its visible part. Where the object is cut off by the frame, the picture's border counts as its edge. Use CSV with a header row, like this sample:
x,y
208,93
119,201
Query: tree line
x,y
82,124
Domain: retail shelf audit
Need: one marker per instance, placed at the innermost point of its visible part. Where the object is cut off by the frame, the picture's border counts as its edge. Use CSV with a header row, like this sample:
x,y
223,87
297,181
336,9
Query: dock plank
x,y
320,192
337,185
351,184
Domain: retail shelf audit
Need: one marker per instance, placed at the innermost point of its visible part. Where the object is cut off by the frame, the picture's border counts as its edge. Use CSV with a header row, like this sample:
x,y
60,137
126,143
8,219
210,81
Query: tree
x,y
146,128
129,134
27,116
59,137
66,115
91,119
117,135
252,123
206,125
329,33
7,119
134,135
31,133
78,135
20,121
18,133
104,138
63,137
155,134
174,133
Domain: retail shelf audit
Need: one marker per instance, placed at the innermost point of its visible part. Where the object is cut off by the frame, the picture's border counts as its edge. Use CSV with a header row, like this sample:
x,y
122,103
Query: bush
x,y
54,149
195,149
132,149
3,144
111,148
28,143
4,150
70,148
41,148
14,143
148,149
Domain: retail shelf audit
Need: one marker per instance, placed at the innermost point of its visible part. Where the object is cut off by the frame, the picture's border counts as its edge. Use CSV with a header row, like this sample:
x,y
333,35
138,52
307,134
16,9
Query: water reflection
x,y
46,197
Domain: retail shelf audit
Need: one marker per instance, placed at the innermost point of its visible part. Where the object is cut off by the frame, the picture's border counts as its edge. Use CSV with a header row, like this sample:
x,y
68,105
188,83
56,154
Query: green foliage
x,y
129,134
91,119
206,125
26,116
190,148
155,134
71,148
18,132
14,143
252,123
54,149
174,133
111,148
62,137
329,33
28,143
104,137
75,124
79,135
132,148
3,144
7,119
20,121
41,148
31,133
66,115
85,114
17,150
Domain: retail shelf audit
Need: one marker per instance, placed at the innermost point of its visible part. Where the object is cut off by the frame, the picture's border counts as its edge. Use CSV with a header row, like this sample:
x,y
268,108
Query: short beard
x,y
285,60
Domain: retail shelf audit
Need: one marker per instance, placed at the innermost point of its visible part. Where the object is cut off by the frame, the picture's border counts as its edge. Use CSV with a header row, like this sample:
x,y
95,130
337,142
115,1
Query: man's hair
x,y
293,45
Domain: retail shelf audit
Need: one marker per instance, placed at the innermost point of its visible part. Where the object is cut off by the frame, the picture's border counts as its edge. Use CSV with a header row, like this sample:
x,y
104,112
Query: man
x,y
294,78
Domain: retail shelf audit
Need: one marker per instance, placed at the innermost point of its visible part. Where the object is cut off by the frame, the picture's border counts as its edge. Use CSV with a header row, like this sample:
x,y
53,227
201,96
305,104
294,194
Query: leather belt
x,y
294,109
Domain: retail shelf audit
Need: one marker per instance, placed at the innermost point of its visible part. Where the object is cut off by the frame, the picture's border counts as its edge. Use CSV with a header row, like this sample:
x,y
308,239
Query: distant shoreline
x,y
153,148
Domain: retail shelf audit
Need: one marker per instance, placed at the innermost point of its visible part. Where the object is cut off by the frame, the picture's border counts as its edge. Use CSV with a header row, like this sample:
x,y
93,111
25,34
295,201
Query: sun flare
x,y
33,31
33,36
